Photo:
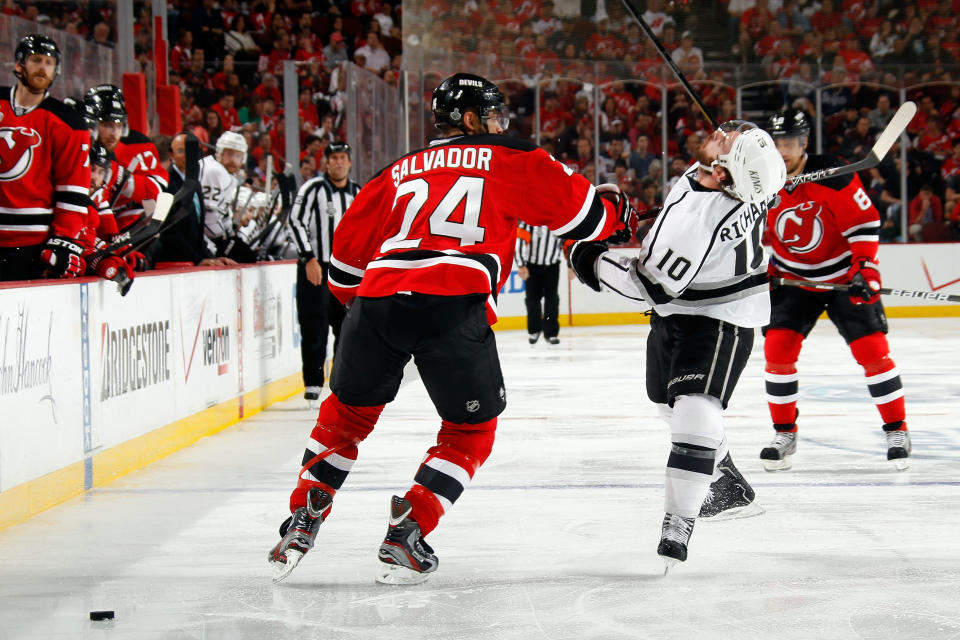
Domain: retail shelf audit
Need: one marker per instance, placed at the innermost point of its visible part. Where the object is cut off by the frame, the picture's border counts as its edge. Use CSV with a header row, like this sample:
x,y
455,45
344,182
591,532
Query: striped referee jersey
x,y
536,245
316,212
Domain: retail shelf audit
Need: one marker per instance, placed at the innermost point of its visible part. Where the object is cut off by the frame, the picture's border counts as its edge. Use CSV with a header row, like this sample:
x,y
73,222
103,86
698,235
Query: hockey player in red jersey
x,y
419,257
137,177
825,231
44,173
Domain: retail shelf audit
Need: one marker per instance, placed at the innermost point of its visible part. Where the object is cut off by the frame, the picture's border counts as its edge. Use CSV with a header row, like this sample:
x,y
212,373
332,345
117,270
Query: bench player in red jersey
x,y
826,231
419,257
44,173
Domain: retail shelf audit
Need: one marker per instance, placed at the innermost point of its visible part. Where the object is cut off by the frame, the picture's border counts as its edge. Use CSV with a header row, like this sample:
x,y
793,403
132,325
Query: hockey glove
x,y
865,282
583,258
137,261
111,267
64,257
625,212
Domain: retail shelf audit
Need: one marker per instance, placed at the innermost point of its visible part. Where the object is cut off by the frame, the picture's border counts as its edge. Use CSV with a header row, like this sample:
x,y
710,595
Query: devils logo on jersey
x,y
16,151
799,228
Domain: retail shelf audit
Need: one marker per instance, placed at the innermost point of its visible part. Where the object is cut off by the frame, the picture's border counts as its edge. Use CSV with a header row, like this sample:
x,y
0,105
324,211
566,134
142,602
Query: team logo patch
x,y
800,228
473,406
16,151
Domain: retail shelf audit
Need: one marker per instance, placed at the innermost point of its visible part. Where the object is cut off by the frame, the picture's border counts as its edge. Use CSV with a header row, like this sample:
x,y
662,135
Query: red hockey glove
x,y
111,267
137,261
625,211
864,282
64,257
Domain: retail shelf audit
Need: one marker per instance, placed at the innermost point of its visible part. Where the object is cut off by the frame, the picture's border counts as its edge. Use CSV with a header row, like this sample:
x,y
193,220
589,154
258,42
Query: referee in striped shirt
x,y
538,258
317,210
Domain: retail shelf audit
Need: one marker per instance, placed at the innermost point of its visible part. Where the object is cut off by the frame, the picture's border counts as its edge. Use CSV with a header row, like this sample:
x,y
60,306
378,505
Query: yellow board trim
x,y
25,500
599,319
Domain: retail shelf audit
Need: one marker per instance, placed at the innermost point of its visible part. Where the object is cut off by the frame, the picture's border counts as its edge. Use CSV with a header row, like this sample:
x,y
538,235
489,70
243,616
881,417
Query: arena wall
x,y
94,385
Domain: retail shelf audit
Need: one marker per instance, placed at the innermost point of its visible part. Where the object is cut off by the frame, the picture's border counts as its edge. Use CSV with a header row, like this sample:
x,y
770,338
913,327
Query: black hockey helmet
x,y
463,91
99,156
89,109
337,147
789,123
34,44
108,100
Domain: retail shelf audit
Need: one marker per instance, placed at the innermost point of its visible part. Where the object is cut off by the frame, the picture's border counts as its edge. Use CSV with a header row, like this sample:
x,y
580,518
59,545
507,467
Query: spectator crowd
x,y
227,57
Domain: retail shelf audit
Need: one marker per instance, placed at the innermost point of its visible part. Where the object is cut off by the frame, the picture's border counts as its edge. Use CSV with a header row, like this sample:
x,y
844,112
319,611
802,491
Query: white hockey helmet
x,y
755,167
259,200
232,140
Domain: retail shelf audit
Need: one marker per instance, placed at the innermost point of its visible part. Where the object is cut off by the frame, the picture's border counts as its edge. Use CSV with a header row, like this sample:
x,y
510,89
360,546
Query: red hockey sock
x,y
332,448
883,380
448,469
781,349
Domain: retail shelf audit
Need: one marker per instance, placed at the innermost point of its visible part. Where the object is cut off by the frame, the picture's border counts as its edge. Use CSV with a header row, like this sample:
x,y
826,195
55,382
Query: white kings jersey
x,y
703,256
219,193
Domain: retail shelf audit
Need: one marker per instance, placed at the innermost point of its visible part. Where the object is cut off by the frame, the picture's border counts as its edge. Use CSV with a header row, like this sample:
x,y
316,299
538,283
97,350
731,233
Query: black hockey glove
x,y
625,212
62,257
583,260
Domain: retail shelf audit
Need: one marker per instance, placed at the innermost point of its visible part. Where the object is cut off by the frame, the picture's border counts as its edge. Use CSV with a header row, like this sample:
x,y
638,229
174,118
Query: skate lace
x,y
678,528
783,439
896,438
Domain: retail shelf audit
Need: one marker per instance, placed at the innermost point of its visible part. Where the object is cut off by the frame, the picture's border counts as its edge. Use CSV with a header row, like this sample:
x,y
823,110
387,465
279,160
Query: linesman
x,y
317,210
538,260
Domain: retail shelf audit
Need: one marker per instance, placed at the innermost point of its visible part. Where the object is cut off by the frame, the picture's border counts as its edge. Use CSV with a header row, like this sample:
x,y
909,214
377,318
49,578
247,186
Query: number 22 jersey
x,y
443,220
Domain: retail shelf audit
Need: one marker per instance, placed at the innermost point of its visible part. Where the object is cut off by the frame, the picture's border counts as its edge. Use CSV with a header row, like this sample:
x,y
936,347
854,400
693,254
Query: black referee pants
x,y
317,310
542,285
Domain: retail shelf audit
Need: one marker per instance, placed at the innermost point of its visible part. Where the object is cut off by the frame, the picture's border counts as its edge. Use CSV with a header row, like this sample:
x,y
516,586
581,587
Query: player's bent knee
x,y
468,445
349,423
782,347
697,419
872,352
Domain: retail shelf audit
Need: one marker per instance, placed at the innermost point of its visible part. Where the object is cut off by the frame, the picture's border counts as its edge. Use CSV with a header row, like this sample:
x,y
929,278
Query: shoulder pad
x,y
826,161
65,113
135,137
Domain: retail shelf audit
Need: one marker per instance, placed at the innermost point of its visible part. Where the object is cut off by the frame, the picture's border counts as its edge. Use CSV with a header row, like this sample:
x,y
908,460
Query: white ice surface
x,y
556,537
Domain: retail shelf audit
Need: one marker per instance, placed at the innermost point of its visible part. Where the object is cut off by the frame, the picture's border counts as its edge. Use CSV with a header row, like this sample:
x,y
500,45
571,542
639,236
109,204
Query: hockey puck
x,y
101,615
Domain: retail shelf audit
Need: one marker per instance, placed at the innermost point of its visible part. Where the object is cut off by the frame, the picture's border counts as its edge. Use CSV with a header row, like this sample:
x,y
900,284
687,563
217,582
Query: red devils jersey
x,y
818,228
44,172
137,153
443,220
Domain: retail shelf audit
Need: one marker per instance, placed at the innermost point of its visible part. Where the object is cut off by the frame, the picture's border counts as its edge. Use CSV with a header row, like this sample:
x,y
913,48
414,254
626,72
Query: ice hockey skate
x,y
298,533
406,556
533,337
898,448
778,455
312,396
674,538
730,496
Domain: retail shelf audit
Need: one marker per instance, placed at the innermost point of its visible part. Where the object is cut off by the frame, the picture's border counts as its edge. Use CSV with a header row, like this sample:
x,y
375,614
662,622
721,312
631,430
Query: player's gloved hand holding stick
x,y
865,282
625,211
64,256
112,267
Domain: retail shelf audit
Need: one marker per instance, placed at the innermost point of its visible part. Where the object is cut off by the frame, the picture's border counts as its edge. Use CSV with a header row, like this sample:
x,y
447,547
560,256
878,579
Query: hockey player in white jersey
x,y
703,270
220,177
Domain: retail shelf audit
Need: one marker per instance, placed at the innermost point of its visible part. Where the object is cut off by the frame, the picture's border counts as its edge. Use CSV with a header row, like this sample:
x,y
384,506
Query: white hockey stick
x,y
898,124
834,286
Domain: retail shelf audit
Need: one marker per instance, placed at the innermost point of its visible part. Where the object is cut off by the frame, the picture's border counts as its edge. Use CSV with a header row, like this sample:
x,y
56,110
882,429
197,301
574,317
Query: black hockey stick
x,y
833,286
167,212
897,125
635,12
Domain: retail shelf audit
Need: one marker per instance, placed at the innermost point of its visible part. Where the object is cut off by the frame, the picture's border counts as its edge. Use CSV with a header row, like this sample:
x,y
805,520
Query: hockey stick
x,y
833,286
897,125
145,230
635,12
